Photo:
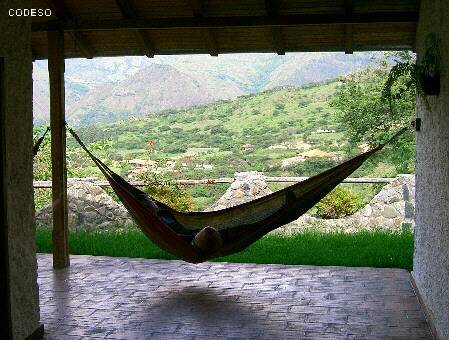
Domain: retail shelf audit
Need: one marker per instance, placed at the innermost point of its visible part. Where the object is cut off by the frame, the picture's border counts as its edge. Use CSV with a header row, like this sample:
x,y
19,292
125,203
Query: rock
x,y
235,185
247,186
104,225
128,223
238,194
366,211
73,207
88,206
102,210
255,191
389,212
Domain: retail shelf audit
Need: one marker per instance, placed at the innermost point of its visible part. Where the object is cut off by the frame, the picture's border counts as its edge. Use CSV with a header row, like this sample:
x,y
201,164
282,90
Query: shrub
x,y
338,203
164,128
276,112
280,106
313,166
166,190
42,197
174,148
42,162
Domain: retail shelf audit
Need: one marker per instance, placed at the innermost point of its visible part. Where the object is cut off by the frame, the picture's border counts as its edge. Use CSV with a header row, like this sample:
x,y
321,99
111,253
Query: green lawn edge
x,y
377,248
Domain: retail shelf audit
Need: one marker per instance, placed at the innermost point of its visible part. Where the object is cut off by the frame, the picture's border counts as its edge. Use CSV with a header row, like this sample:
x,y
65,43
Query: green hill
x,y
288,131
253,132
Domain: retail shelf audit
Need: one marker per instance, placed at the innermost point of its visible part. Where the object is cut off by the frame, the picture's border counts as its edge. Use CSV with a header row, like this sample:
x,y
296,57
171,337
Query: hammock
x,y
199,236
39,142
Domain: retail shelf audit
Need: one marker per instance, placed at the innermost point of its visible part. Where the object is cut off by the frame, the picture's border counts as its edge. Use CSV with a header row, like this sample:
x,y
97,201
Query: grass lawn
x,y
311,247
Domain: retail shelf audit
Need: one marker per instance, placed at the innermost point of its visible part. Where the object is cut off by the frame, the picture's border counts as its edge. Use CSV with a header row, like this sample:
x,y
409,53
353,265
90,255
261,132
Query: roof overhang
x,y
136,27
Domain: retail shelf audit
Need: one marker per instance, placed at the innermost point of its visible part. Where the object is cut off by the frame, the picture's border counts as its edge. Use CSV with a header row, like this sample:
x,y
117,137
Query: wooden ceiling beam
x,y
349,10
207,34
237,21
197,8
33,53
276,32
63,14
278,40
349,49
86,49
128,12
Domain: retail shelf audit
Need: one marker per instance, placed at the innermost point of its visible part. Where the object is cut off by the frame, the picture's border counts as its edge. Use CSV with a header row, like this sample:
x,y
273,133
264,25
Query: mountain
x,y
305,68
113,88
152,89
41,102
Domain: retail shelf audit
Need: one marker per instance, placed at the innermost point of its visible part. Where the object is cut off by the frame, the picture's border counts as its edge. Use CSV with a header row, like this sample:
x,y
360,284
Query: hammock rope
x,y
199,236
38,143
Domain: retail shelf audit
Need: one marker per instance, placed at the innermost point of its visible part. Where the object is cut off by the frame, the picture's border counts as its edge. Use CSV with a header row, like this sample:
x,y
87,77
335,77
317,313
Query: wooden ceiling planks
x,y
102,28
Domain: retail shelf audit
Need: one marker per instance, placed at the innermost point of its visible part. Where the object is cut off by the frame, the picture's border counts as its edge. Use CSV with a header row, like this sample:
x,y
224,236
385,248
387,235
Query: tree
x,y
369,117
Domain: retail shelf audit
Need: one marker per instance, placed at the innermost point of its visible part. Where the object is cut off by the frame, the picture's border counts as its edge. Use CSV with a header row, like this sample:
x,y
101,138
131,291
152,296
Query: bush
x,y
313,166
166,190
42,197
42,161
338,203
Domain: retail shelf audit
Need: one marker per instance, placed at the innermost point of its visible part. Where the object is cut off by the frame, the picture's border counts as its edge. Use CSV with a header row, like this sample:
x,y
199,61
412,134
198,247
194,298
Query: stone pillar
x,y
431,258
17,155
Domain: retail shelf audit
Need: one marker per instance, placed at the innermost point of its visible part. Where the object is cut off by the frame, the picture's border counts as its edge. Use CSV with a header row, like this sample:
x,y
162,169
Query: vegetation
x,y
416,77
327,122
371,118
291,131
42,161
339,203
214,134
311,247
163,188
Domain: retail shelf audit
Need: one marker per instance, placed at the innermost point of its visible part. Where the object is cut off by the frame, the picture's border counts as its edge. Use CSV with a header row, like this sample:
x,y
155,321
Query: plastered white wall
x,y
431,258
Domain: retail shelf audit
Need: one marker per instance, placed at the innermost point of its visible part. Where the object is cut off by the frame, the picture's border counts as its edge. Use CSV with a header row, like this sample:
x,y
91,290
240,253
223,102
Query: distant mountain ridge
x,y
152,89
108,89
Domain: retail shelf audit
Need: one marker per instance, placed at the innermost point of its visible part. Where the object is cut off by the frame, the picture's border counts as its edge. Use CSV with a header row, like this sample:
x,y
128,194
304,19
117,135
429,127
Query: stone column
x,y
17,155
431,258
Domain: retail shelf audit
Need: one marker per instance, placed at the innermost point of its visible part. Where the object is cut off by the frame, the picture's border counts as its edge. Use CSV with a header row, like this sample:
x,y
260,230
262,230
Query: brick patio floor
x,y
120,298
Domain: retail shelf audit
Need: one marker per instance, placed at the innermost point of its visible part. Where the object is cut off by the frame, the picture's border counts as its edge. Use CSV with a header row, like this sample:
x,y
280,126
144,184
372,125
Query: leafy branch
x,y
421,77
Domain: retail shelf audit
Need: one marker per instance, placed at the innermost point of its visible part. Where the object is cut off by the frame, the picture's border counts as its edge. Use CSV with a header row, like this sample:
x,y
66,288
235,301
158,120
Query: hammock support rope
x,y
199,236
38,143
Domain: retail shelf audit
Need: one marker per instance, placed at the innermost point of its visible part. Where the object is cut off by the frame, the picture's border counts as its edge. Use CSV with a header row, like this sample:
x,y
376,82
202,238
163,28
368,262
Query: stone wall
x,y
431,258
89,206
392,208
17,126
